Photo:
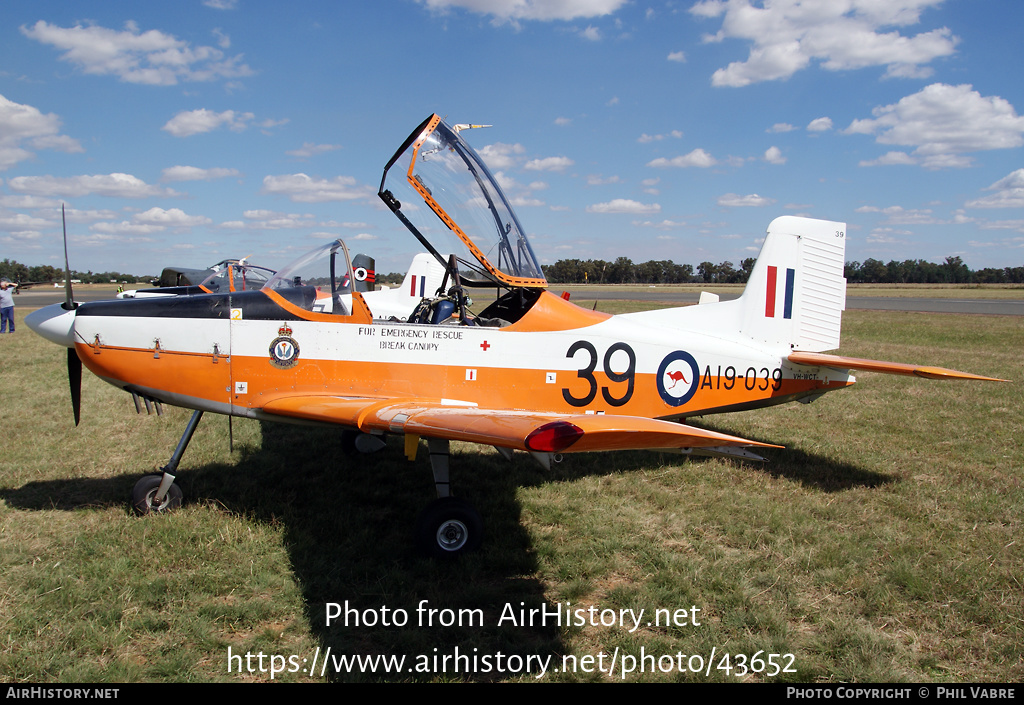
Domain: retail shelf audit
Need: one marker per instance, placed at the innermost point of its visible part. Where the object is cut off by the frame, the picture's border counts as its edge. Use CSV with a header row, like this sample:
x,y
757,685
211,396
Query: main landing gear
x,y
449,526
157,492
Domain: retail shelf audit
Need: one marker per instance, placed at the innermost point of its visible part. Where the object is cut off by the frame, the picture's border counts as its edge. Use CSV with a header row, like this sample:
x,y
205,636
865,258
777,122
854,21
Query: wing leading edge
x,y
521,430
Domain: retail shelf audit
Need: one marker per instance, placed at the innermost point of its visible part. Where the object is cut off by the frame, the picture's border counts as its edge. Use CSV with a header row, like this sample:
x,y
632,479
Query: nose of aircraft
x,y
55,323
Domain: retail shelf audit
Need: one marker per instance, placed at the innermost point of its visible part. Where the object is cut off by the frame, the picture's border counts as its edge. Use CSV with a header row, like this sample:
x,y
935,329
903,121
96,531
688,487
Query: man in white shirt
x,y
6,305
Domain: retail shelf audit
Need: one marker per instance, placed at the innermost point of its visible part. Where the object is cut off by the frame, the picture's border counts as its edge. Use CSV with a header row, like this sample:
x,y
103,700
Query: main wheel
x,y
144,493
449,527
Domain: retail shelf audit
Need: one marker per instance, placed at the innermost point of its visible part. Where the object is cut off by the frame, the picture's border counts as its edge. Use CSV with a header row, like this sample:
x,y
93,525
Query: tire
x,y
449,527
144,491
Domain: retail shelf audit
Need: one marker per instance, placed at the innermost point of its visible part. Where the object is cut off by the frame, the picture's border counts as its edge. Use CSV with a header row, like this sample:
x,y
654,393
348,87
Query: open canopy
x,y
466,213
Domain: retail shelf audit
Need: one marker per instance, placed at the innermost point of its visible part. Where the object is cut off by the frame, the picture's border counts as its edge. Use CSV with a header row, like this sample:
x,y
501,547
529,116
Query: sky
x,y
183,133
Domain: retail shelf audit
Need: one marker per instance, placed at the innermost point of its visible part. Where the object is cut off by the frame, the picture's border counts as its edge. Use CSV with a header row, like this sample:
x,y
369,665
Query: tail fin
x,y
424,277
797,292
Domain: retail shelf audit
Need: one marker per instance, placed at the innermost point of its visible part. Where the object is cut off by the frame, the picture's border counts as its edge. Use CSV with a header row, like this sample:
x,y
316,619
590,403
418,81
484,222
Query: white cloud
x,y
598,180
592,34
645,138
172,218
943,123
773,155
265,125
660,225
563,121
781,127
152,221
544,10
24,126
517,193
677,56
524,202
195,122
309,149
898,215
734,200
194,173
885,236
116,185
822,124
787,35
22,222
261,219
624,205
890,159
305,189
697,158
549,164
223,40
500,155
150,57
1009,193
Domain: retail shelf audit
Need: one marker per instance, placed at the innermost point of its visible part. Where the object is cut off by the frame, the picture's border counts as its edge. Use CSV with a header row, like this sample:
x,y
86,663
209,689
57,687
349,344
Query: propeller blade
x,y
75,381
74,363
69,302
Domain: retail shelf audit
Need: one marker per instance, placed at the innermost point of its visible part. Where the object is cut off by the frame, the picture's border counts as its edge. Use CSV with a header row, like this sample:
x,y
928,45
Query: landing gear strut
x,y
449,526
157,492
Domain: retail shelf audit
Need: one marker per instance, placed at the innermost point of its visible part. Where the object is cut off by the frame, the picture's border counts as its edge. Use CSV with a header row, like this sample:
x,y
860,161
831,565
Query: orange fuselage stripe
x,y
212,378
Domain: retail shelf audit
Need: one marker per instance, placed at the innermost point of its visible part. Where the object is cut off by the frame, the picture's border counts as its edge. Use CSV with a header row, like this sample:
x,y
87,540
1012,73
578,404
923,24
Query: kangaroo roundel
x,y
678,376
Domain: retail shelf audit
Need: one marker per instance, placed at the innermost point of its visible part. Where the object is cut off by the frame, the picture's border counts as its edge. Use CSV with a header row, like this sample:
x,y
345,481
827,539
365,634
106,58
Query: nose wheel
x,y
157,492
145,495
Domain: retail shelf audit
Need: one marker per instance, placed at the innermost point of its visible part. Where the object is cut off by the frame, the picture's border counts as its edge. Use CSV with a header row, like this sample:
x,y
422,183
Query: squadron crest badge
x,y
284,351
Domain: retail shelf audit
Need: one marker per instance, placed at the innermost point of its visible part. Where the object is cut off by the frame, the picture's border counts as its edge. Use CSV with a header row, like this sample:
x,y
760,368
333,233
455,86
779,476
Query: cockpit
x,y
468,224
235,275
442,191
320,281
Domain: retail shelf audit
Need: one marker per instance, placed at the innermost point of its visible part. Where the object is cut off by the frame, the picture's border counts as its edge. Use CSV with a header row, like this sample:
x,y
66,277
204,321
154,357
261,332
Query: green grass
x,y
882,545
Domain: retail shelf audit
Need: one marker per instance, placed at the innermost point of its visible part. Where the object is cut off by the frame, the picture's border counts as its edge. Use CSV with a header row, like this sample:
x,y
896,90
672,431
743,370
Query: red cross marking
x,y
485,345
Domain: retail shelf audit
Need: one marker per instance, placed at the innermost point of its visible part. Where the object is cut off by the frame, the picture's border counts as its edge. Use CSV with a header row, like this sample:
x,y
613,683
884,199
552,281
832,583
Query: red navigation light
x,y
553,437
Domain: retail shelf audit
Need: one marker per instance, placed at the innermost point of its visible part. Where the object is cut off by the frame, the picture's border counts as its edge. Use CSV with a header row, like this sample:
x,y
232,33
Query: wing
x,y
522,430
894,368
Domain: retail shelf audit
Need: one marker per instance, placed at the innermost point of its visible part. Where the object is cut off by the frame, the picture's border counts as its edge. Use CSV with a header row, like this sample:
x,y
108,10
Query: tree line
x,y
624,271
870,271
17,272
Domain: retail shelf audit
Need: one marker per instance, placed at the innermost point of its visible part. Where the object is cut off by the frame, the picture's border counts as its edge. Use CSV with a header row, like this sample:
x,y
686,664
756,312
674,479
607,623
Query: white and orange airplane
x,y
529,372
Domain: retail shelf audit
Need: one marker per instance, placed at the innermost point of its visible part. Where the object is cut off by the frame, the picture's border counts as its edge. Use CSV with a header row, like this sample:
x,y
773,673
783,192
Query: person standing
x,y
6,305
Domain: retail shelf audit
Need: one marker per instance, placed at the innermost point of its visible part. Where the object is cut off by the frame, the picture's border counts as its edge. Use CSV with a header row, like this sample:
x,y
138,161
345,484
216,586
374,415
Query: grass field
x,y
884,544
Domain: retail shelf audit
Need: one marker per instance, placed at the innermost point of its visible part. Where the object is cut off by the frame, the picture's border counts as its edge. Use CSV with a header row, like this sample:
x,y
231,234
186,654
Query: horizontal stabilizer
x,y
841,362
522,430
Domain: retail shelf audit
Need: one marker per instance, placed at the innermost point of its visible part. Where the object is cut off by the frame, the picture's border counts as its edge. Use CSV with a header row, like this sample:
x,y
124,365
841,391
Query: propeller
x,y
74,363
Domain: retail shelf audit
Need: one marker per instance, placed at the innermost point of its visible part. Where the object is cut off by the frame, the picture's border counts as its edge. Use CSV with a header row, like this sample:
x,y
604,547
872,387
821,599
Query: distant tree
x,y
873,271
746,268
955,271
726,274
706,271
